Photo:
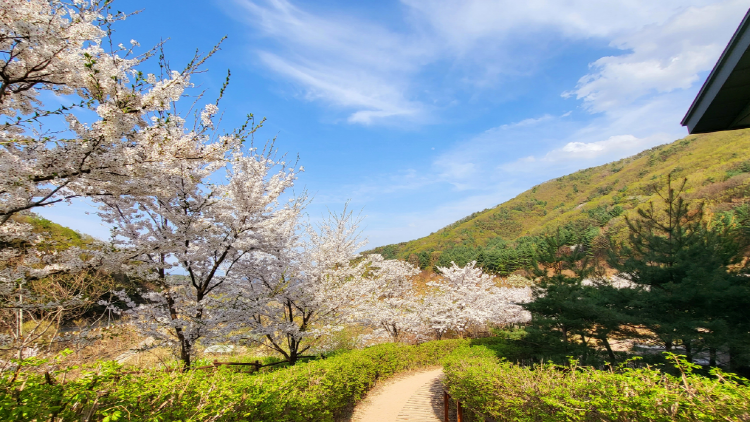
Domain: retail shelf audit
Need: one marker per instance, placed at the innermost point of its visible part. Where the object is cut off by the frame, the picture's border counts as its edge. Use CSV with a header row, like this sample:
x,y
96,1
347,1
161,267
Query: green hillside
x,y
595,200
55,235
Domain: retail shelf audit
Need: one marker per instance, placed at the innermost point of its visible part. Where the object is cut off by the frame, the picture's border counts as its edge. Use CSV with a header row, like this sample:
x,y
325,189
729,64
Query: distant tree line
x,y
503,257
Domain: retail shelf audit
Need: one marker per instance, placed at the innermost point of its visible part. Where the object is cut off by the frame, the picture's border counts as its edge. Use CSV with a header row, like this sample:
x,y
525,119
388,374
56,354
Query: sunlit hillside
x,y
716,165
55,235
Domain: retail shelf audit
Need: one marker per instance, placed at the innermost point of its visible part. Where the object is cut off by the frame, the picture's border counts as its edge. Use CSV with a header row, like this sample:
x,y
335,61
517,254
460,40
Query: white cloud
x,y
340,60
528,122
391,226
630,101
595,148
466,25
662,57
374,71
375,98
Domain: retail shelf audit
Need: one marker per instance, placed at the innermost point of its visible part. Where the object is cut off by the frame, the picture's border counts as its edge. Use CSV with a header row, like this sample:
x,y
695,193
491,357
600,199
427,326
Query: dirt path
x,y
416,396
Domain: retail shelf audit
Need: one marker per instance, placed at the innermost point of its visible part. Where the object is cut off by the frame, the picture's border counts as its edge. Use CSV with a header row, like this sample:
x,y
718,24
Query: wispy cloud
x,y
386,226
466,25
373,71
373,98
528,122
340,60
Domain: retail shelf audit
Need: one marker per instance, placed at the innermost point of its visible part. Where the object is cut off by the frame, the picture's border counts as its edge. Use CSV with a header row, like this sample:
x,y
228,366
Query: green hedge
x,y
507,392
315,391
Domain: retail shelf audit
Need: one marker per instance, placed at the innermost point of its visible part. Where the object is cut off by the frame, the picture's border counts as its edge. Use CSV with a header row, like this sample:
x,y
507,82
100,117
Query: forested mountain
x,y
589,203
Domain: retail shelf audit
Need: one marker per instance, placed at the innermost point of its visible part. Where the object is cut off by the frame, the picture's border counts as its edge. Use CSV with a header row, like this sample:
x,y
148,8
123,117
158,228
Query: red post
x,y
459,412
446,406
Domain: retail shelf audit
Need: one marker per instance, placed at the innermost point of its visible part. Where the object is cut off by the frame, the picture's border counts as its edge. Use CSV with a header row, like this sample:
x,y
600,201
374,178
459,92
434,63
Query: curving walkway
x,y
416,397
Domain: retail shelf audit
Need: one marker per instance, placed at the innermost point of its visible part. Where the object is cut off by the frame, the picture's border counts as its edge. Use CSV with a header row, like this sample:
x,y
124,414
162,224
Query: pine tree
x,y
569,304
685,288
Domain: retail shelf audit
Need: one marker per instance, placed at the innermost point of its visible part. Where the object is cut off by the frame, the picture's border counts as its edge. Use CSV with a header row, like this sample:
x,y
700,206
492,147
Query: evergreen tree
x,y
570,306
688,286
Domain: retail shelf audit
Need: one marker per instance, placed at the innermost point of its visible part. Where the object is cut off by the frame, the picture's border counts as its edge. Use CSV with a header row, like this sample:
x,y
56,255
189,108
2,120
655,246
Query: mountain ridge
x,y
716,165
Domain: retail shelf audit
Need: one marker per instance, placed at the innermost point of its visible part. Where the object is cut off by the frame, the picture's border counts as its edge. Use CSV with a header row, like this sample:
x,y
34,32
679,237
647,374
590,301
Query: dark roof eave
x,y
719,74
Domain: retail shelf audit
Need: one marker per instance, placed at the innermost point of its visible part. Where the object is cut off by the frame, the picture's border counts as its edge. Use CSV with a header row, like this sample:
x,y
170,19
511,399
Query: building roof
x,y
723,102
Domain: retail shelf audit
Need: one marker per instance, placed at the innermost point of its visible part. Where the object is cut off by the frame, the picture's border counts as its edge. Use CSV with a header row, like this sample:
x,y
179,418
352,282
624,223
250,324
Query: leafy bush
x,y
316,391
507,392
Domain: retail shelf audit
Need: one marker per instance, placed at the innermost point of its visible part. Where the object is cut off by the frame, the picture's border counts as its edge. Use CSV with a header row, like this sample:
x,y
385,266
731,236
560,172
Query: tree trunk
x,y
185,349
668,345
185,345
733,364
611,353
293,344
688,350
712,356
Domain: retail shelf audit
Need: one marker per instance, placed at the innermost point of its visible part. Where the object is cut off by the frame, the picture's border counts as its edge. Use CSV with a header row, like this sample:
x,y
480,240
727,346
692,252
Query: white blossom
x,y
207,114
463,297
123,136
197,242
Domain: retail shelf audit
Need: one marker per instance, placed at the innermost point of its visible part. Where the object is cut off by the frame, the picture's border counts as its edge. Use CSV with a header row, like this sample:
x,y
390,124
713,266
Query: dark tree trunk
x,y
712,356
733,361
185,345
611,353
688,350
185,349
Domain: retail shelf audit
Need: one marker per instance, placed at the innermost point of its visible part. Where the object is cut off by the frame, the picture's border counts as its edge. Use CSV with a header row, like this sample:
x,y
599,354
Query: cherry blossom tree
x,y
109,137
195,240
463,297
58,48
118,133
296,298
390,302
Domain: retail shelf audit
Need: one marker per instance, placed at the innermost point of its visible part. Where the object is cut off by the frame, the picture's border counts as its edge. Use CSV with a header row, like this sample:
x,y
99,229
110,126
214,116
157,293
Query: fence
x,y
460,416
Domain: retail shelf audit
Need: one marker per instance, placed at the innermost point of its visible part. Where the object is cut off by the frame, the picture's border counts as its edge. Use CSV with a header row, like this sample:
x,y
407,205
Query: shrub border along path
x,y
508,392
321,390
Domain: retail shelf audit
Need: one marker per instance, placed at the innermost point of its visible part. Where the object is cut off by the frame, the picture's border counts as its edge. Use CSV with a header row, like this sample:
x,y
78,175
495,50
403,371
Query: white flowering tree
x,y
466,296
390,303
194,241
294,299
57,48
117,132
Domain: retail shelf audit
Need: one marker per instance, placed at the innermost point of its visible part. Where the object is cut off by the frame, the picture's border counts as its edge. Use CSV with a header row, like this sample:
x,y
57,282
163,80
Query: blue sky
x,y
421,112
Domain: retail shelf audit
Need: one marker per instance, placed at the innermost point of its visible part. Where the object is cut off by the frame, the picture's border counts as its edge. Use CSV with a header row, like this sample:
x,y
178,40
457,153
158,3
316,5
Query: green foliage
x,y
693,289
498,257
568,314
603,213
743,167
319,390
683,279
494,387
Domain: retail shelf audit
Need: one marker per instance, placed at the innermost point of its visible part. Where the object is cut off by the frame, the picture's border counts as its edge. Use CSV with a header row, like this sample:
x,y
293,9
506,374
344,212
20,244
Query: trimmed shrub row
x,y
320,390
503,391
